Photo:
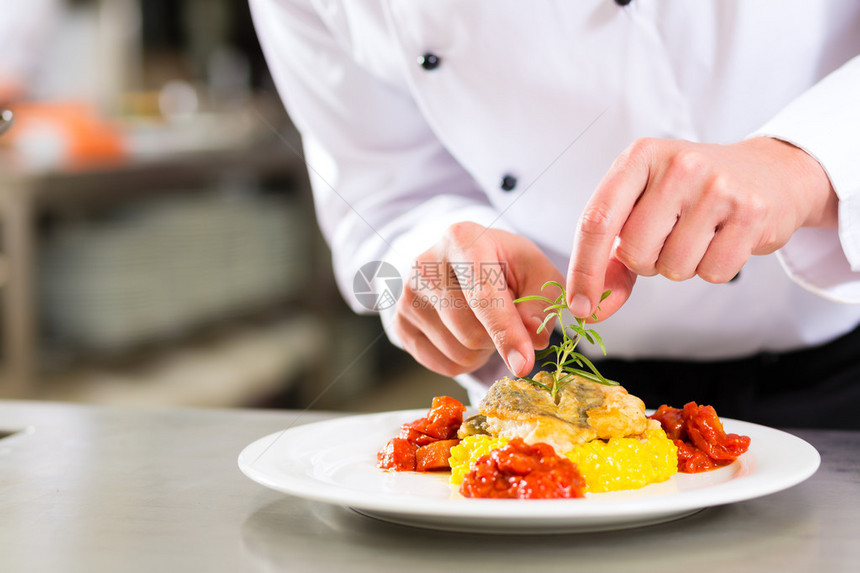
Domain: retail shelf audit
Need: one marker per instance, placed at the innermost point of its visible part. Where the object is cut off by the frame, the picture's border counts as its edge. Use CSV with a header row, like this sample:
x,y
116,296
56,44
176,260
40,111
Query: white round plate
x,y
335,462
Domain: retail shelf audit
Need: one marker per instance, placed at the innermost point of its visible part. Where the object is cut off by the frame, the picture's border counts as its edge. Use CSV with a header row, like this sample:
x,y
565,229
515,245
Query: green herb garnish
x,y
568,362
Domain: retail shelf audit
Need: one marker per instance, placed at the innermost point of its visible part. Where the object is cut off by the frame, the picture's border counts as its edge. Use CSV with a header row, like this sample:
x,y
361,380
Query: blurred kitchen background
x,y
157,237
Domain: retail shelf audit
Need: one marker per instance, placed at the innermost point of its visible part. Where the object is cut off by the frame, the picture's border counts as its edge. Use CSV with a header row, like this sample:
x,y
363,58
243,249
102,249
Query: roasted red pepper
x,y
702,443
439,425
441,422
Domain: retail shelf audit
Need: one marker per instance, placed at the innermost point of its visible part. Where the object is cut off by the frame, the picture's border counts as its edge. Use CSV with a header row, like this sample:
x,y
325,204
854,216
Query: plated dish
x,y
335,462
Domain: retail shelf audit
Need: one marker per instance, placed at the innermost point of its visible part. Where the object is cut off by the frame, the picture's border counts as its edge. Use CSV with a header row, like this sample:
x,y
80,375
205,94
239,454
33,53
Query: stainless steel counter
x,y
109,489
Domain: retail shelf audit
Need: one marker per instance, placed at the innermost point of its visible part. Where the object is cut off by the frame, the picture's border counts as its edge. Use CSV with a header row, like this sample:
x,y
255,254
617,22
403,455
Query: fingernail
x,y
580,306
516,362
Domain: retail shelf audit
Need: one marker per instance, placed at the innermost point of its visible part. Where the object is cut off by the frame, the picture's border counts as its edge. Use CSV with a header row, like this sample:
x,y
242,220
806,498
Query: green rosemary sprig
x,y
568,363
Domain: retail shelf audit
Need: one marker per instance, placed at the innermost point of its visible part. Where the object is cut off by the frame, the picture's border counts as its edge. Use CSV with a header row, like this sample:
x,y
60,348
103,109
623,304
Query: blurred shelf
x,y
111,182
239,367
27,194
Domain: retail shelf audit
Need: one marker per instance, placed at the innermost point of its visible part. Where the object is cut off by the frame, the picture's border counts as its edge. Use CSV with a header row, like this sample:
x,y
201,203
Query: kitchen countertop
x,y
86,488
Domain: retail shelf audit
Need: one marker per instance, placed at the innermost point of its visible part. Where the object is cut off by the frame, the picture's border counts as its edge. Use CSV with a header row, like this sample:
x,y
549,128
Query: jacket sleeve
x,y
385,188
824,121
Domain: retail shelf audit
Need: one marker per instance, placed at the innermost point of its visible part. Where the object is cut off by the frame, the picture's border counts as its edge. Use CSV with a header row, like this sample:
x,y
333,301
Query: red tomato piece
x,y
434,456
698,432
672,421
523,471
692,460
408,432
398,454
737,444
443,420
439,425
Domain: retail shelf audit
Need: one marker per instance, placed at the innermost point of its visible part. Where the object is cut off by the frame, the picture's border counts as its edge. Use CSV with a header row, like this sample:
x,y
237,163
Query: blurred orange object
x,y
65,135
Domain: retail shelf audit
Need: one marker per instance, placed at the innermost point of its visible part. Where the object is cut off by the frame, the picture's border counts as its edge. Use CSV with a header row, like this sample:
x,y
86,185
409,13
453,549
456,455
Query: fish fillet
x,y
585,411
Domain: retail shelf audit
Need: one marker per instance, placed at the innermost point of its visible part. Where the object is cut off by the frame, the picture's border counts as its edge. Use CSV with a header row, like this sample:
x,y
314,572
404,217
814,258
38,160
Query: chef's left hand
x,y
682,209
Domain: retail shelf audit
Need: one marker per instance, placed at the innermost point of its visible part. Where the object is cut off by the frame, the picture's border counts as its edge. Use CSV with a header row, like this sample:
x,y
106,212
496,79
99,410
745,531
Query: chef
x,y
696,159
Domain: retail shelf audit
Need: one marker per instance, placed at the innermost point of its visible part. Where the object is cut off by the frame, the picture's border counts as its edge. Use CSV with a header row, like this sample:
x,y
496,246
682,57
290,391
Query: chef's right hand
x,y
457,306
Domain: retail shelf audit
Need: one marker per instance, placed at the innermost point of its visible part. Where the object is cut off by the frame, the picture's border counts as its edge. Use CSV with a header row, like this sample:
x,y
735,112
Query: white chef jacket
x,y
550,92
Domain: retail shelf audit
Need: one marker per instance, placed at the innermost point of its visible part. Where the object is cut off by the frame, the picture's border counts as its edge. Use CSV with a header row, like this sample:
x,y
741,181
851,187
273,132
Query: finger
x,y
493,304
727,253
457,317
651,221
503,324
425,352
432,302
687,244
620,280
423,314
533,323
601,222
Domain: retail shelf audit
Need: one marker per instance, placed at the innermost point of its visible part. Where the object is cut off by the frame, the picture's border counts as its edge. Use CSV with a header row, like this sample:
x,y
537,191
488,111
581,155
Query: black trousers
x,y
817,387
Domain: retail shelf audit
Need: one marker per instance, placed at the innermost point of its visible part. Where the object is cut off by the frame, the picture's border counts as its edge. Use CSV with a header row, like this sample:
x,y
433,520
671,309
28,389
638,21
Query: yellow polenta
x,y
470,450
620,463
